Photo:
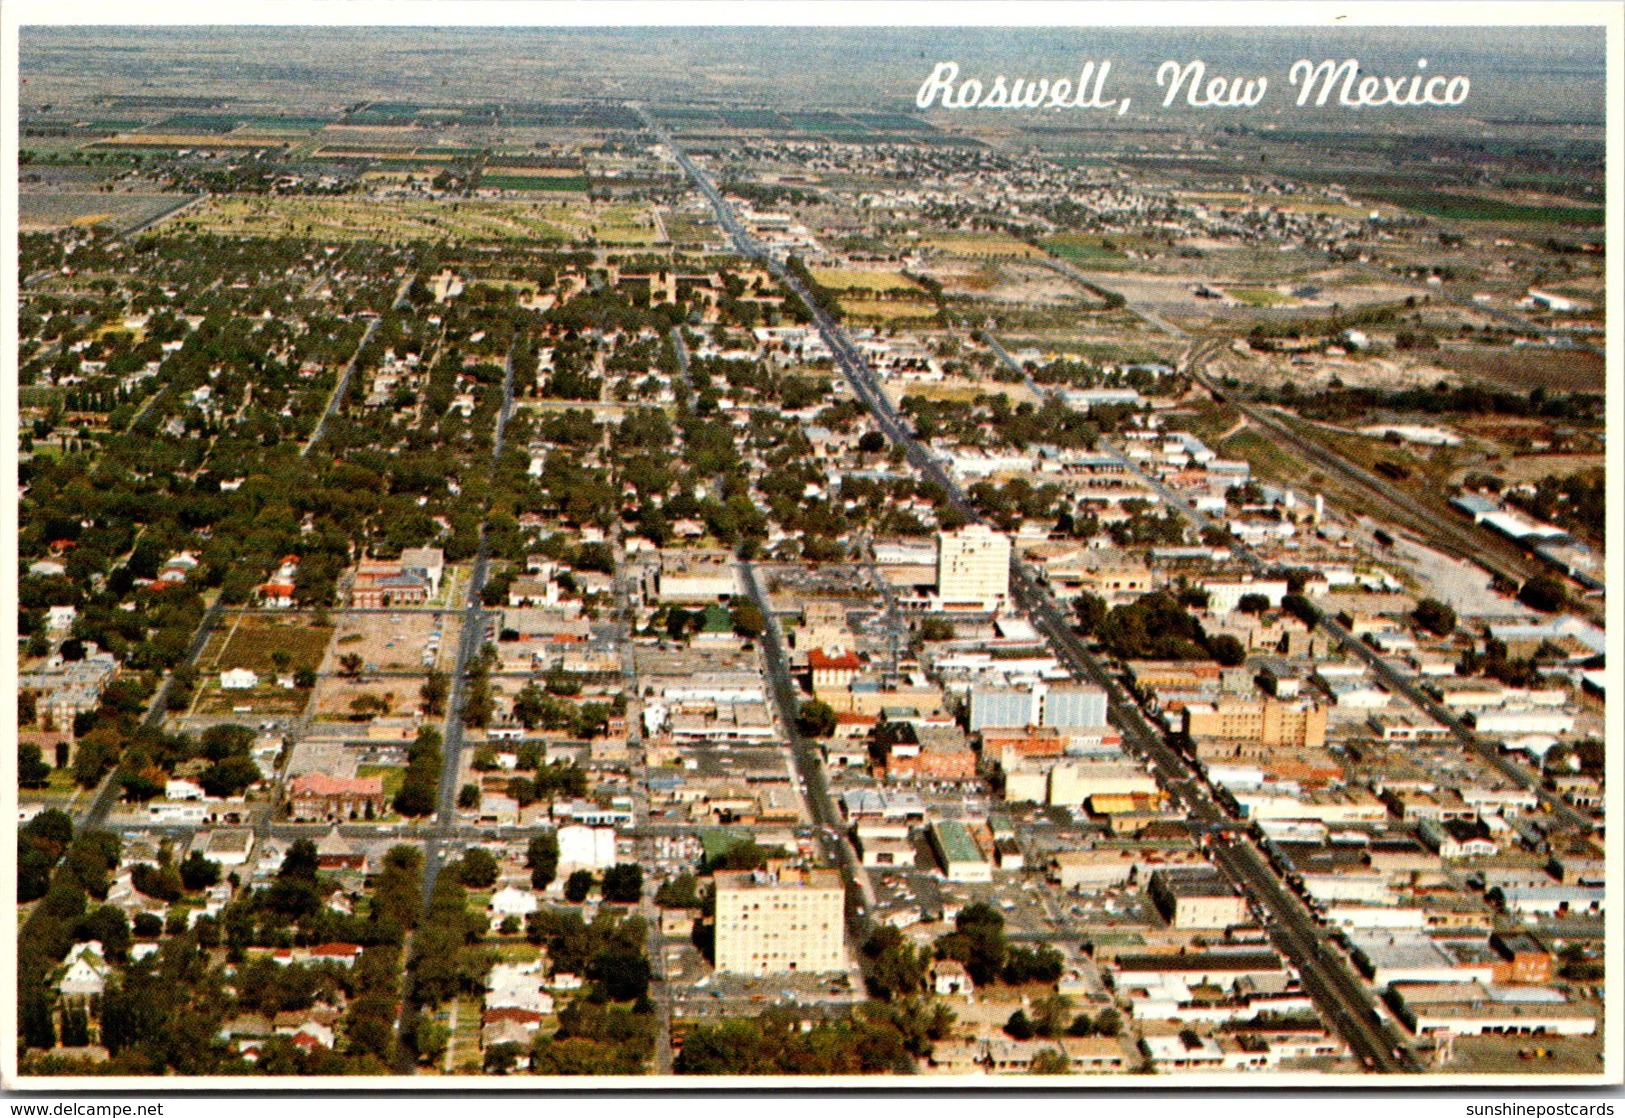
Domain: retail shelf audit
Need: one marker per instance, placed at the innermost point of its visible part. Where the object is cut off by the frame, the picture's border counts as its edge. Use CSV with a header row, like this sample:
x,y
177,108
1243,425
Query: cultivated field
x,y
39,212
1526,367
981,245
409,219
859,279
887,309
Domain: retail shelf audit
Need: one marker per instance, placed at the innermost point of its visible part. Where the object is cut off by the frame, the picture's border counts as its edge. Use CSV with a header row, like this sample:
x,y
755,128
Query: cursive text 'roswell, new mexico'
x,y
1340,84
1021,93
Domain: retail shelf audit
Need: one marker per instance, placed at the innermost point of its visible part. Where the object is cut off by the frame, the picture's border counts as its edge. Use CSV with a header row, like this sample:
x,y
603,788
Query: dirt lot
x,y
264,700
251,640
392,641
334,695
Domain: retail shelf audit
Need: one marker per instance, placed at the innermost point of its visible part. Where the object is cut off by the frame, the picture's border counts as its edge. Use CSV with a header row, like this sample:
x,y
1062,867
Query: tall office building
x,y
772,923
973,566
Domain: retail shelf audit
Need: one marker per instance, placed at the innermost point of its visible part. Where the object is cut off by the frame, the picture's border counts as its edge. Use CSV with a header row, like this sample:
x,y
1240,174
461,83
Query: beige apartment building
x,y
973,566
771,923
1266,723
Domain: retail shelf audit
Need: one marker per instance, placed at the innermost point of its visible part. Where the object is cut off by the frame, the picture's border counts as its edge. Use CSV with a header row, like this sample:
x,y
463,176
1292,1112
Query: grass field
x,y
254,640
861,279
1266,457
1083,248
186,140
410,219
982,245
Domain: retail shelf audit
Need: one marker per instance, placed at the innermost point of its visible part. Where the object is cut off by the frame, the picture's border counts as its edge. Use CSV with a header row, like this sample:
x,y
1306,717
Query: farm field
x,y
410,219
38,212
1526,367
981,245
887,309
859,279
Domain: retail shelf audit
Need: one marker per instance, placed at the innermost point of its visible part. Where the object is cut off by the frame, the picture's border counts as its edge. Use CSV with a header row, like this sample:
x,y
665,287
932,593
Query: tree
x,y
816,719
542,858
897,968
1253,603
468,797
1050,1061
436,688
1434,616
1018,1026
936,629
32,771
198,872
1227,650
304,678
501,1059
1545,593
577,886
622,973
350,664
748,620
681,891
478,868
623,883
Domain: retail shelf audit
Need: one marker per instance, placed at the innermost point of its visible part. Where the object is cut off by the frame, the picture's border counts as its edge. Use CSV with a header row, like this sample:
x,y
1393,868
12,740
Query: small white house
x,y
238,679
513,901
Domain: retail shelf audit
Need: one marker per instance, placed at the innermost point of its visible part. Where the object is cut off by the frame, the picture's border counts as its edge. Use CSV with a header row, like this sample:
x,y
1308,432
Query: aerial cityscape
x,y
737,552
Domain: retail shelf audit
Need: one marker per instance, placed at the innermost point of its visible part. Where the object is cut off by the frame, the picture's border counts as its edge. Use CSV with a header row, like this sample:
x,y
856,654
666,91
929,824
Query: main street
x,y
1344,1002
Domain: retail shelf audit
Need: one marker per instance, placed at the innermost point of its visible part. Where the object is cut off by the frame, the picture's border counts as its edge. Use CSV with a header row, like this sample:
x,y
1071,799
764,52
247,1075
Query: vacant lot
x,y
336,695
266,700
392,641
254,641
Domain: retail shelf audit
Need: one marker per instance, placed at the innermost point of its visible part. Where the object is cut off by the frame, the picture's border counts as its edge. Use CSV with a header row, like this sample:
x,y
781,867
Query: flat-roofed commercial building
x,y
961,857
774,923
1197,898
1266,723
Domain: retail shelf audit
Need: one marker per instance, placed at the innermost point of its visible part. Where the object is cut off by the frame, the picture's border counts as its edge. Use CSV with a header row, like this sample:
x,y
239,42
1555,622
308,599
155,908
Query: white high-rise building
x,y
774,923
973,566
